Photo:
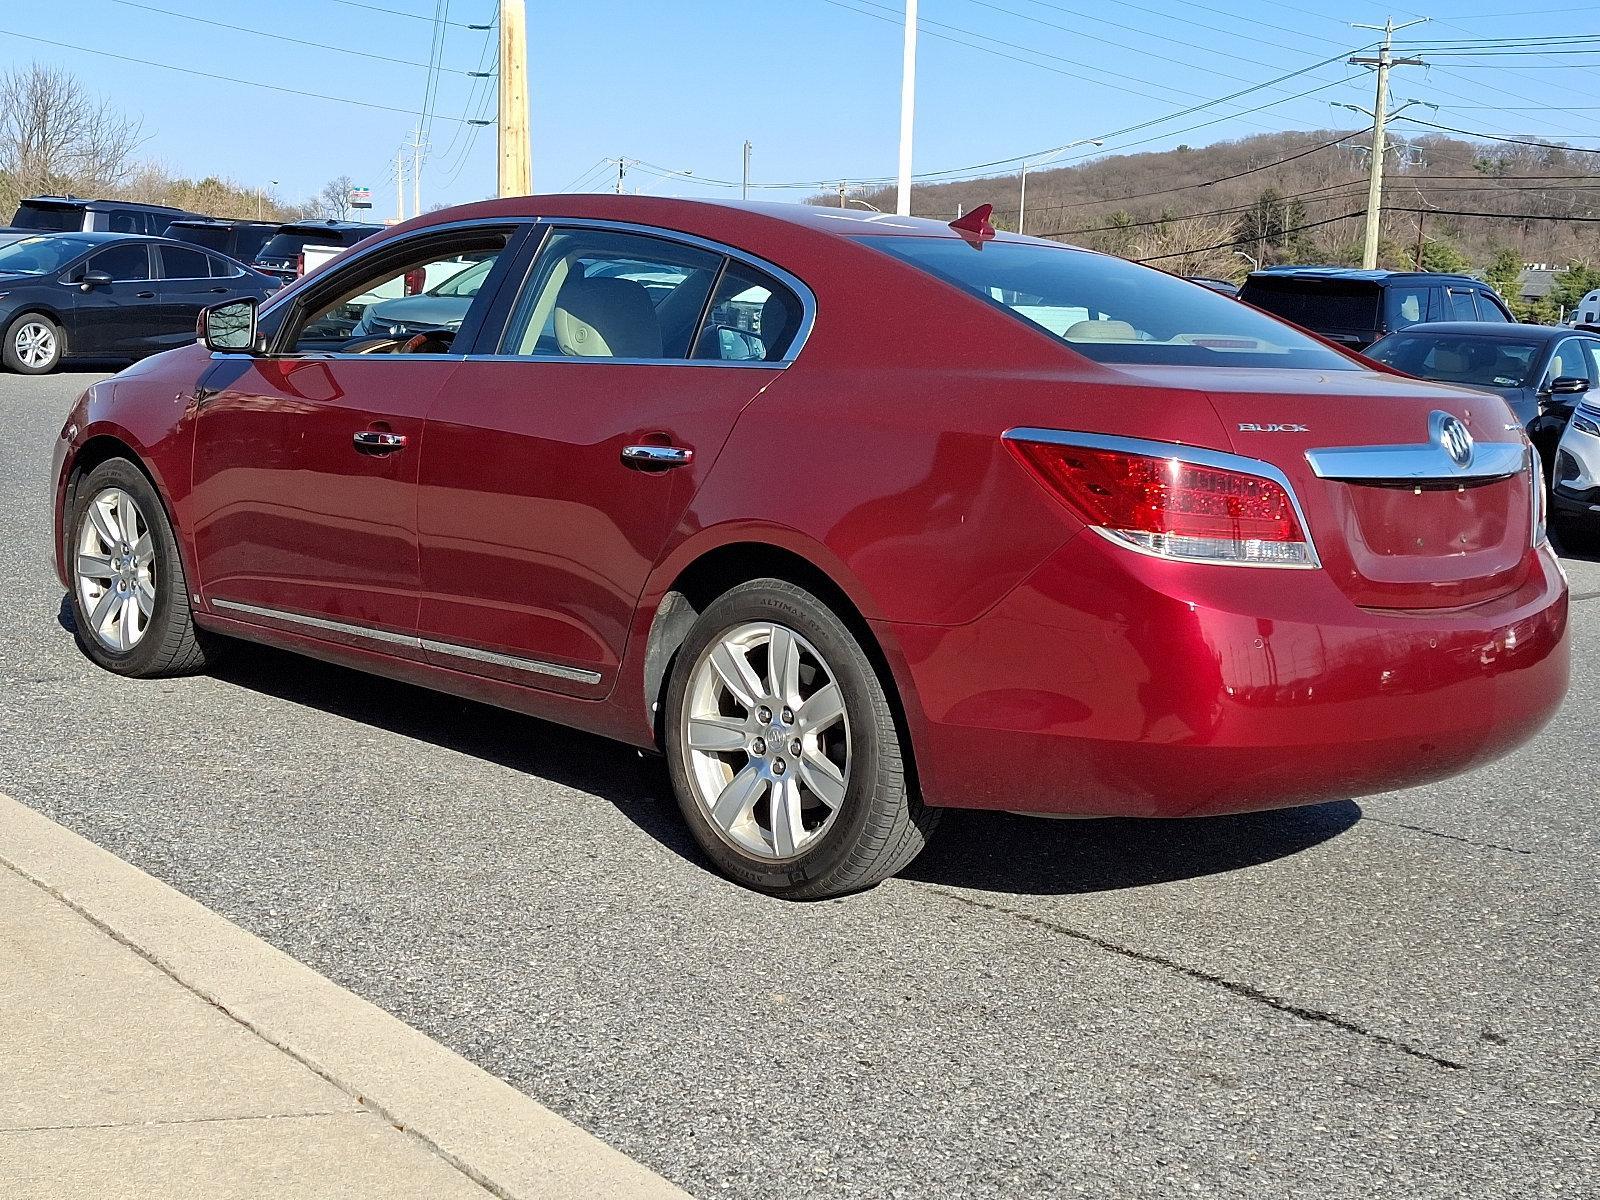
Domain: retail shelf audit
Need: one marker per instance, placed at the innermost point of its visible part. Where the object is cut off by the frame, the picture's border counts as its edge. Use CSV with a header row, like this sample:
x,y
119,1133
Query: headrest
x,y
1100,331
606,318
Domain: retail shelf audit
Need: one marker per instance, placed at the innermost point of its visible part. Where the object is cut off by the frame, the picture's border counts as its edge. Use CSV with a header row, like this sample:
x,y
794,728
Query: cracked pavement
x,y
1395,995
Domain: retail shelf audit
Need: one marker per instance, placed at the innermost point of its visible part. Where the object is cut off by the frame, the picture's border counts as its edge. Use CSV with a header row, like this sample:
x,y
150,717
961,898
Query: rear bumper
x,y
1110,684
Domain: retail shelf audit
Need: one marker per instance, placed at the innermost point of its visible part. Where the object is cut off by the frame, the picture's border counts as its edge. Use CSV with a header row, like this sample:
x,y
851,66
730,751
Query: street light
x,y
274,183
1049,156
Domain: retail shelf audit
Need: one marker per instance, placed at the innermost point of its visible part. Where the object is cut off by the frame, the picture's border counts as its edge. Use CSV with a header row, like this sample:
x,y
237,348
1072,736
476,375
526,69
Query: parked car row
x,y
85,278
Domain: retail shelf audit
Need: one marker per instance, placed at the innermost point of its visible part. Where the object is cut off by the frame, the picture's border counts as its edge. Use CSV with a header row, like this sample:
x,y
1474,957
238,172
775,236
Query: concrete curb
x,y
507,1143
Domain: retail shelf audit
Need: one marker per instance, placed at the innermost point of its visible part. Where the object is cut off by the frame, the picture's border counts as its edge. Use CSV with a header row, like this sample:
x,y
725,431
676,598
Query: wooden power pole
x,y
516,165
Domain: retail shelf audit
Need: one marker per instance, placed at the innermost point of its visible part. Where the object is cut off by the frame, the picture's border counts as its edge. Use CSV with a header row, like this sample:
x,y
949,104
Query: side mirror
x,y
230,328
1569,385
92,280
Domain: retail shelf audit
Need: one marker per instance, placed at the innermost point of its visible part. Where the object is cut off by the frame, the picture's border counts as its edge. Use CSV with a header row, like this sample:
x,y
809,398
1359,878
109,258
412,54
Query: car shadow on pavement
x,y
999,852
990,851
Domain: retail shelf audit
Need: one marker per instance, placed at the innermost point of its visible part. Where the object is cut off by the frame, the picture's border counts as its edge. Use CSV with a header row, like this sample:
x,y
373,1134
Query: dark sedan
x,y
1540,370
108,295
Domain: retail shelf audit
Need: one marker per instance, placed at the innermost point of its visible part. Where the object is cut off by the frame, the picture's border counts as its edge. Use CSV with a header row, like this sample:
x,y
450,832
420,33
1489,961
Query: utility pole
x,y
417,146
622,168
842,185
908,105
399,186
1047,157
1380,117
516,163
744,185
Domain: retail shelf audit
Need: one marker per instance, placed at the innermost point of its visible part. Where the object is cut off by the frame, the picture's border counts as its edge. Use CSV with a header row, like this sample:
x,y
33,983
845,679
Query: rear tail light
x,y
1536,488
300,263
415,280
1174,503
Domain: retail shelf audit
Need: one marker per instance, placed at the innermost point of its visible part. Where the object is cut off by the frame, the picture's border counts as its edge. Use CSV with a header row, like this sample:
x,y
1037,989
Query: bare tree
x,y
1189,246
334,198
56,136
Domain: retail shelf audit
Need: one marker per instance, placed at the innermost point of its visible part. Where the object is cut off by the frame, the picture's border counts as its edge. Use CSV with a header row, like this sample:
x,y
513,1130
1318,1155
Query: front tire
x,y
783,748
130,599
33,345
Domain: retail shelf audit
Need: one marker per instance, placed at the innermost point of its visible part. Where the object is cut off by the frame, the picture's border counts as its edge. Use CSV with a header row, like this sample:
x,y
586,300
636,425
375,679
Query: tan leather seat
x,y
1101,331
606,318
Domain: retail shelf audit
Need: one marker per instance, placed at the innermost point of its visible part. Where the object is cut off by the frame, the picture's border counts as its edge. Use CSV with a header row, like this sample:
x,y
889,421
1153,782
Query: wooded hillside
x,y
1189,210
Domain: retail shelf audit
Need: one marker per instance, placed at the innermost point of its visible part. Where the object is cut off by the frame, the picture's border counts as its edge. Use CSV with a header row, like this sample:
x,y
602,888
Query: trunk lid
x,y
1397,521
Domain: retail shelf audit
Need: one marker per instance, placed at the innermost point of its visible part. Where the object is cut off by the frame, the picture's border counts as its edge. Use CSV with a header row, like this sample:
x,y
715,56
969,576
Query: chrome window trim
x,y
807,298
533,666
1199,456
802,292
282,295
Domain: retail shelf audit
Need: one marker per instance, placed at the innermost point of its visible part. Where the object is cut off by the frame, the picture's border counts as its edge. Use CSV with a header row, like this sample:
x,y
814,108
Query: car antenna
x,y
975,226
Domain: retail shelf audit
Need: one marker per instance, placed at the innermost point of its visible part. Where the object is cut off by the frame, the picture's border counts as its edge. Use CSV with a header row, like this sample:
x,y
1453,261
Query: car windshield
x,y
1460,358
61,217
40,255
1112,310
288,244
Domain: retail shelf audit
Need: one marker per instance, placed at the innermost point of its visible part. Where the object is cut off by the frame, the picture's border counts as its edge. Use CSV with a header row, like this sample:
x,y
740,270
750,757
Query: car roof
x,y
89,235
1501,330
1359,275
326,226
222,222
86,202
721,220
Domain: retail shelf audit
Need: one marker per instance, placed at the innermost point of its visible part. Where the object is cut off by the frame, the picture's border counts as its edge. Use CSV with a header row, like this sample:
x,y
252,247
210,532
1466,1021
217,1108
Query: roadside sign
x,y
360,197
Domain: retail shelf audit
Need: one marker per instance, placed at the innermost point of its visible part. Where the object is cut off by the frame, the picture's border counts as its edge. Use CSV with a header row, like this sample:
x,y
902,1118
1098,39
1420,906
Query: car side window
x,y
1409,306
221,268
1591,351
752,318
1461,308
1570,358
407,298
180,262
125,264
597,293
122,221
1488,310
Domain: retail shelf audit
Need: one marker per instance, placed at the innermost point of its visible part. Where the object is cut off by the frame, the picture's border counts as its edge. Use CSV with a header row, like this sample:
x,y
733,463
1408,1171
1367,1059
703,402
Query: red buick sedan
x,y
855,517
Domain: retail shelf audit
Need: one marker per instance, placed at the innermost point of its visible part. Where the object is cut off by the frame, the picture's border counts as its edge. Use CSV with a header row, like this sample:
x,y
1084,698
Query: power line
x,y
281,37
271,87
1452,212
398,12
1512,140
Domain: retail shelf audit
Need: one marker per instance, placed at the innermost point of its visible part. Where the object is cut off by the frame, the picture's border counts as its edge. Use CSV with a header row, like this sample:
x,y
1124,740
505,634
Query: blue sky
x,y
814,84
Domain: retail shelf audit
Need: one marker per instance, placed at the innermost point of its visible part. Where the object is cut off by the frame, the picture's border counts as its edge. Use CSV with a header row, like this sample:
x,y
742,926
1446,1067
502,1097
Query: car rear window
x,y
1112,310
1313,304
60,218
1460,358
290,242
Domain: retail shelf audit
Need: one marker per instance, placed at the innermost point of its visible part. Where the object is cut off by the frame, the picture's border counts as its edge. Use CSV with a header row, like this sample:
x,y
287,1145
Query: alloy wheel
x,y
35,344
115,570
766,740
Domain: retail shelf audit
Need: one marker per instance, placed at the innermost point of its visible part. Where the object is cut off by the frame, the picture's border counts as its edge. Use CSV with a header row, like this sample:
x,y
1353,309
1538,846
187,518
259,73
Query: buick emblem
x,y
1455,437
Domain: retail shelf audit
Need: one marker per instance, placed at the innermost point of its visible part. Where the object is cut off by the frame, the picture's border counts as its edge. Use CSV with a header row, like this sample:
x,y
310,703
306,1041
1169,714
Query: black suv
x,y
240,240
283,255
73,214
1355,308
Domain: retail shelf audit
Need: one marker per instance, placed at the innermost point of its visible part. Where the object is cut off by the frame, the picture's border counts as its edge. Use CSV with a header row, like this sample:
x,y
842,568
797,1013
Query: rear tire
x,y
792,776
33,345
130,598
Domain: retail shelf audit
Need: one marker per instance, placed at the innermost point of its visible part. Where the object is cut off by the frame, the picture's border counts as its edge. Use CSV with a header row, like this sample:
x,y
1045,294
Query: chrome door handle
x,y
660,457
373,441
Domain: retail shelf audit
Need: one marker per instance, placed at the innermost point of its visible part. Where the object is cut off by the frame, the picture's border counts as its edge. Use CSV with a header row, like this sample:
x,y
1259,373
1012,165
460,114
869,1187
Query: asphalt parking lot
x,y
1394,996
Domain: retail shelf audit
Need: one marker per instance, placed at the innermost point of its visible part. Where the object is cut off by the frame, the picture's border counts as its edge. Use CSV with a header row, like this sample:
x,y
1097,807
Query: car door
x,y
183,287
559,462
305,461
122,317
